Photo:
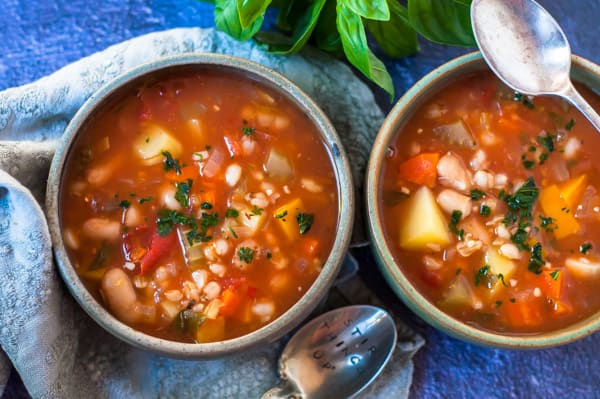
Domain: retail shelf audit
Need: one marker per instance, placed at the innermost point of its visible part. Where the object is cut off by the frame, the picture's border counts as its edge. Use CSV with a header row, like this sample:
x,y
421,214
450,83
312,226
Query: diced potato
x,y
152,141
423,224
211,330
170,310
285,216
499,264
458,294
251,220
556,207
572,190
278,166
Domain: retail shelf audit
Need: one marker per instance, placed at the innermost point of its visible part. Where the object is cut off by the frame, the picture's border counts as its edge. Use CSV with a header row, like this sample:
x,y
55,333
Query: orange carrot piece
x,y
420,169
552,283
231,302
523,313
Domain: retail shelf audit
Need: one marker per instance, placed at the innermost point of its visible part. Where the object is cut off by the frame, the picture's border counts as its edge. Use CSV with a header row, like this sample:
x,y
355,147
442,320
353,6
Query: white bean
x,y
102,229
483,180
310,185
133,217
264,309
217,269
221,247
451,200
510,251
212,290
120,296
233,174
572,147
453,173
200,277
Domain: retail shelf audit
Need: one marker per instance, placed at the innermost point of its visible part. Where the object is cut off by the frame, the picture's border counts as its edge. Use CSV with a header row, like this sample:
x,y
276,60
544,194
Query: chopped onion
x,y
214,163
456,133
278,165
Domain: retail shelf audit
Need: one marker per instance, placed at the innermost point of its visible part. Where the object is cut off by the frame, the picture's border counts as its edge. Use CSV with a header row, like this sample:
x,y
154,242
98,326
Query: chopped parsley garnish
x,y
200,233
570,125
501,278
125,229
281,214
527,163
523,99
124,204
171,163
520,204
246,254
269,255
132,195
546,141
256,211
248,131
144,199
232,231
206,205
476,194
543,157
535,259
585,247
498,303
147,139
554,275
547,224
232,213
520,238
182,195
532,148
167,220
485,210
457,272
453,225
305,221
481,274
512,300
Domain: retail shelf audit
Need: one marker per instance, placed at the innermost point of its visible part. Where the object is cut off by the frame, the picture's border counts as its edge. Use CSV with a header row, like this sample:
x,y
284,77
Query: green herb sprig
x,y
340,27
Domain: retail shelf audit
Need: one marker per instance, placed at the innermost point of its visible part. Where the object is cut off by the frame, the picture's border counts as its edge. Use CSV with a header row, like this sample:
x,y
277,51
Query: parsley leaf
x,y
206,205
554,275
485,210
281,214
144,199
248,131
452,226
481,274
585,247
183,192
305,221
520,204
476,194
546,141
547,224
570,125
256,211
232,213
246,254
124,204
535,259
171,163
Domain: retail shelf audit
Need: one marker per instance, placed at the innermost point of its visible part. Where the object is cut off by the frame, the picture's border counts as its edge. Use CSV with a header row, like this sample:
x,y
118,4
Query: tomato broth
x,y
199,207
491,206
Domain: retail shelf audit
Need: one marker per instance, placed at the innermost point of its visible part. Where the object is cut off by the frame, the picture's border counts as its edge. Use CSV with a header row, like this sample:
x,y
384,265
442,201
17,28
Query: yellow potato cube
x,y
285,217
423,223
499,265
152,141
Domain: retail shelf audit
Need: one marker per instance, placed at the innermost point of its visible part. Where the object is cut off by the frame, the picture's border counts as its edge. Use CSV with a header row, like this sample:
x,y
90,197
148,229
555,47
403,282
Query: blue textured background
x,y
39,36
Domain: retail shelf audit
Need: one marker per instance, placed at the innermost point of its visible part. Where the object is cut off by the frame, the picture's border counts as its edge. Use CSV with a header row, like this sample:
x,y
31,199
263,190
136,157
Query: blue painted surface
x,y
39,36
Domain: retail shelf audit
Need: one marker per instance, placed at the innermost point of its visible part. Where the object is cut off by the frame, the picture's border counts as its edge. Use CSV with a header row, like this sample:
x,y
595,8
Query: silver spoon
x,y
527,49
336,355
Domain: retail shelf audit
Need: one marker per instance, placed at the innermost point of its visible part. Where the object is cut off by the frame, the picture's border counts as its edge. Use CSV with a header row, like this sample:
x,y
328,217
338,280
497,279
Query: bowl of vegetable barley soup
x,y
199,205
484,207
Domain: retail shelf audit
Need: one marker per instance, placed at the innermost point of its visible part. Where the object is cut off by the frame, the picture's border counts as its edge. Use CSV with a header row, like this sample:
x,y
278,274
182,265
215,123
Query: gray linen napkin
x,y
56,348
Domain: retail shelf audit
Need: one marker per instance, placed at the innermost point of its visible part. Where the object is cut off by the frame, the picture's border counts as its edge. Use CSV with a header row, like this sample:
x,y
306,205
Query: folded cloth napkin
x,y
54,346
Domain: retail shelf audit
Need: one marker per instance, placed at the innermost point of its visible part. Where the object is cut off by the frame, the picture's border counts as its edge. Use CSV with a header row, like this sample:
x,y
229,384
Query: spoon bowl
x,y
336,355
527,49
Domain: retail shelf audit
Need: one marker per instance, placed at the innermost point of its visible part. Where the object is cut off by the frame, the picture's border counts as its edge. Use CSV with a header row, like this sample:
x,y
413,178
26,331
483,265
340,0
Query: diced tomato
x,y
159,247
420,169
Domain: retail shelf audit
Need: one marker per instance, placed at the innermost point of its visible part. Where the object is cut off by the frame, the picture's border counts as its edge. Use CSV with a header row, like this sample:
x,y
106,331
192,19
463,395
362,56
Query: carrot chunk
x,y
420,169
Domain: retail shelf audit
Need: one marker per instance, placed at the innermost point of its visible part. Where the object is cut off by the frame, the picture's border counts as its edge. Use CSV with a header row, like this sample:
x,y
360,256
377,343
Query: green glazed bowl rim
x,y
307,303
583,71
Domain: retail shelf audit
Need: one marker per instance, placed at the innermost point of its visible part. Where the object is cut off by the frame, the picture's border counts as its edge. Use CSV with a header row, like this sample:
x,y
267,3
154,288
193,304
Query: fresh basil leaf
x,y
303,28
356,48
285,17
395,37
370,9
251,10
227,19
326,34
442,21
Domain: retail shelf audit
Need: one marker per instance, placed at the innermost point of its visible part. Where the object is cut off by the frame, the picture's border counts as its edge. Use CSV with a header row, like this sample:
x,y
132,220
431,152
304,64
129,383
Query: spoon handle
x,y
577,100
